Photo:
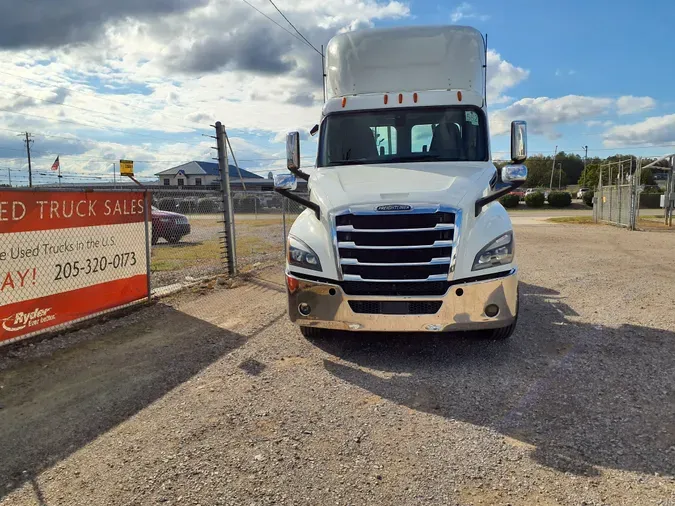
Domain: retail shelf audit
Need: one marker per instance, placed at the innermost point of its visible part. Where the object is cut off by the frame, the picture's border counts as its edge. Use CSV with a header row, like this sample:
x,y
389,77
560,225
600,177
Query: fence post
x,y
228,212
618,192
599,198
146,217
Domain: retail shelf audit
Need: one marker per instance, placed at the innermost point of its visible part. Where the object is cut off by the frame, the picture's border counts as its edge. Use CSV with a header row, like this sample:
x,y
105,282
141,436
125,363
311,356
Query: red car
x,y
520,193
170,226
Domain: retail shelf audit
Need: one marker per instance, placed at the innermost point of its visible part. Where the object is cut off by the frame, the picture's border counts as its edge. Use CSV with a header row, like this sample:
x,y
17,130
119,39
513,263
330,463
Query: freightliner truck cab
x,y
403,231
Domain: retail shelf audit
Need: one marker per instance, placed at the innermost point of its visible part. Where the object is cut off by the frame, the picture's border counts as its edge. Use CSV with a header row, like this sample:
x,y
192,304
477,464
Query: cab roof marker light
x,y
415,97
344,101
400,98
386,99
459,96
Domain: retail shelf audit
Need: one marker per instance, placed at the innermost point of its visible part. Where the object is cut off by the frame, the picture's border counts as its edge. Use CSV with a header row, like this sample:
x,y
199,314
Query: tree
x,y
590,175
538,171
647,177
572,164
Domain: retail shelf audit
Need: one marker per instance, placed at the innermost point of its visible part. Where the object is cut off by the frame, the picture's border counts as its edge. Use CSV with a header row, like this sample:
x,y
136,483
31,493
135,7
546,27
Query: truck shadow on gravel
x,y
55,404
583,396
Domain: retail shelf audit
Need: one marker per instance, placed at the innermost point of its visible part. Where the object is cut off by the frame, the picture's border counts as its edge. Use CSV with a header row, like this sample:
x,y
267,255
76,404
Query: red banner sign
x,y
67,255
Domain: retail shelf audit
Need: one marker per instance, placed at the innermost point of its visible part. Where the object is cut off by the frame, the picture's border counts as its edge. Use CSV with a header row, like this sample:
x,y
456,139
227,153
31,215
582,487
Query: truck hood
x,y
337,188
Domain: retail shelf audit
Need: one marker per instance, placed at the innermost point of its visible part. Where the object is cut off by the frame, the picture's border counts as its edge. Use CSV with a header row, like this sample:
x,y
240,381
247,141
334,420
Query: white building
x,y
200,174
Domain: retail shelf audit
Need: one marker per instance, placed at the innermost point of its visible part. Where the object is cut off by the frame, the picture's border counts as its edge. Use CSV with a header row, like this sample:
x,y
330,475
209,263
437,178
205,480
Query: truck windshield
x,y
456,134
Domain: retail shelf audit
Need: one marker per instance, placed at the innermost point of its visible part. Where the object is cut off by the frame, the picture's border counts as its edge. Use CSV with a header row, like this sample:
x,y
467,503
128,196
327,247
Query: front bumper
x,y
330,308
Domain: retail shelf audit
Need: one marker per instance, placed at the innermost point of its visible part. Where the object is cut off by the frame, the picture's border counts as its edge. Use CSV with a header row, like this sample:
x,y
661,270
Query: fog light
x,y
491,310
304,309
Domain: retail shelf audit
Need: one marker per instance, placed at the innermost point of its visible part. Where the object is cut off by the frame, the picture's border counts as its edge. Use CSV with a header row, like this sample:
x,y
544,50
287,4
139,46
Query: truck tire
x,y
312,332
503,333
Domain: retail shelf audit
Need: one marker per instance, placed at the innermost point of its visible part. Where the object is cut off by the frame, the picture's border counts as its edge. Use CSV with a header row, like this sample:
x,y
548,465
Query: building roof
x,y
206,168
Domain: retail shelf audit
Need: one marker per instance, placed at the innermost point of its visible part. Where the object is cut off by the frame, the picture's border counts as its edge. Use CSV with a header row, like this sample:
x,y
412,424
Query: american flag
x,y
56,165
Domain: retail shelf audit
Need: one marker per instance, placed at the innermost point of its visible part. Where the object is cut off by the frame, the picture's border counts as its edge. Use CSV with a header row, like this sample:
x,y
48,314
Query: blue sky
x,y
108,83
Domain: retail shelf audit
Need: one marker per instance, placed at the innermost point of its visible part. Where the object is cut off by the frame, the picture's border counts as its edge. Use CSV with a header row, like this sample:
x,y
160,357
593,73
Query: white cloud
x,y
630,104
544,113
595,122
466,11
502,75
166,111
652,131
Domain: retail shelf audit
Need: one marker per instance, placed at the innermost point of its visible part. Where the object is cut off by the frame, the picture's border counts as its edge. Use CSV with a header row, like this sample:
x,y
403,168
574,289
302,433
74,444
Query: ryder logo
x,y
21,320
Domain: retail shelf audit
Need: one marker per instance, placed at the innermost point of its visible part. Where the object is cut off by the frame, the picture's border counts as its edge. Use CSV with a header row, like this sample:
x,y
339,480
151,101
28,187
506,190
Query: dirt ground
x,y
213,397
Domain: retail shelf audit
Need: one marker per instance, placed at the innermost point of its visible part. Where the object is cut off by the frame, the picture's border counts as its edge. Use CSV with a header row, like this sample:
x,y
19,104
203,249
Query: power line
x,y
294,28
273,21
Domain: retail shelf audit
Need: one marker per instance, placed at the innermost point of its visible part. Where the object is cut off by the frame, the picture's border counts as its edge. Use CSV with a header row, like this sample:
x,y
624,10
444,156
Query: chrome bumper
x,y
330,307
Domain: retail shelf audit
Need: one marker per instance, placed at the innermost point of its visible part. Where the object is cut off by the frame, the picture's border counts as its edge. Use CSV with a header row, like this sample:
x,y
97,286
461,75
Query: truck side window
x,y
420,137
385,137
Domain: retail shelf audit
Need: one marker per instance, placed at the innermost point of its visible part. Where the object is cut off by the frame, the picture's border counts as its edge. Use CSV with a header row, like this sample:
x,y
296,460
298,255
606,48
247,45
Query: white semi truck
x,y
403,231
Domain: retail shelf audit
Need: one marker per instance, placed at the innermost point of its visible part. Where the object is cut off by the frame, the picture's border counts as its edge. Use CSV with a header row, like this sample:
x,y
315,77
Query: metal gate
x,y
617,203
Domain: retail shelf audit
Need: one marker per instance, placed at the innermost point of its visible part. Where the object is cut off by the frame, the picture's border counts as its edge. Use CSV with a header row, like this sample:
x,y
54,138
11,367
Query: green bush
x,y
167,204
509,200
588,198
559,199
207,206
535,199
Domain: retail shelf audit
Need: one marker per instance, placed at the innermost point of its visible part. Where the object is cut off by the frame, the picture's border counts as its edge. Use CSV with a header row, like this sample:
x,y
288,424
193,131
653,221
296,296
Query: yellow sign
x,y
126,167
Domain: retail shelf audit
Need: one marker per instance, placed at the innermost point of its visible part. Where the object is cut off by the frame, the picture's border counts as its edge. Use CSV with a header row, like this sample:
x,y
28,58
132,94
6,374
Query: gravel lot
x,y
214,398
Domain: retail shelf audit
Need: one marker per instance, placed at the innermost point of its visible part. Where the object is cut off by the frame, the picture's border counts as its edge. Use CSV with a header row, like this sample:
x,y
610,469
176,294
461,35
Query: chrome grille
x,y
400,247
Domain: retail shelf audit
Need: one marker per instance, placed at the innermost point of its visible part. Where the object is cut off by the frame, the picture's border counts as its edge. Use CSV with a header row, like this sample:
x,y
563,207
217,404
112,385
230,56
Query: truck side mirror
x,y
518,141
514,174
293,151
285,182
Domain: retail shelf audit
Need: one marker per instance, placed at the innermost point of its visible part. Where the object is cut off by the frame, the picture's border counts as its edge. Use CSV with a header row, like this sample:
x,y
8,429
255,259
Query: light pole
x,y
550,186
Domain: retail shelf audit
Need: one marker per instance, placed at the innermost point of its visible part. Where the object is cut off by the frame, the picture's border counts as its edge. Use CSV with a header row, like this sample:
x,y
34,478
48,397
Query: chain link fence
x,y
616,199
614,204
187,226
69,255
188,229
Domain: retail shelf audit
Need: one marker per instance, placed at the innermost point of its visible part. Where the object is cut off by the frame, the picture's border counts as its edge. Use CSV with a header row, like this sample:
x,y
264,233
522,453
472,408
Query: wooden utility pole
x,y
228,210
28,142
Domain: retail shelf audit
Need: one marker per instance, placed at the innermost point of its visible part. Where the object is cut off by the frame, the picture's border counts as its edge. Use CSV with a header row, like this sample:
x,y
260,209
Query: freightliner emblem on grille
x,y
393,207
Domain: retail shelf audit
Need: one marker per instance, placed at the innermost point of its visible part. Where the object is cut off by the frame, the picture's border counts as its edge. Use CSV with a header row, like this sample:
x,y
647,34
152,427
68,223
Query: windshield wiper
x,y
355,161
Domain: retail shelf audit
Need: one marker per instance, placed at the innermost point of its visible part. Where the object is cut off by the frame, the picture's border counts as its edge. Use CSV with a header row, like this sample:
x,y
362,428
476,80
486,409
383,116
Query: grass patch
x,y
576,220
173,257
264,220
645,222
251,244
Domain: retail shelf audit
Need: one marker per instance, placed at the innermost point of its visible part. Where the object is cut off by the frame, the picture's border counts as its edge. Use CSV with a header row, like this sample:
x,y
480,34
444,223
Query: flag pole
x,y
59,173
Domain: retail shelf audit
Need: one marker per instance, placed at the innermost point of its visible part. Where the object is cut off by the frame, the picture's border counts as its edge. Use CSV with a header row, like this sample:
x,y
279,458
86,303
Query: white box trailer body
x,y
403,231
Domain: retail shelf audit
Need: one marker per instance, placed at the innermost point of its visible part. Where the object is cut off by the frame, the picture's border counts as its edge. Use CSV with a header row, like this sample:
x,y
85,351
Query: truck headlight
x,y
498,252
301,255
